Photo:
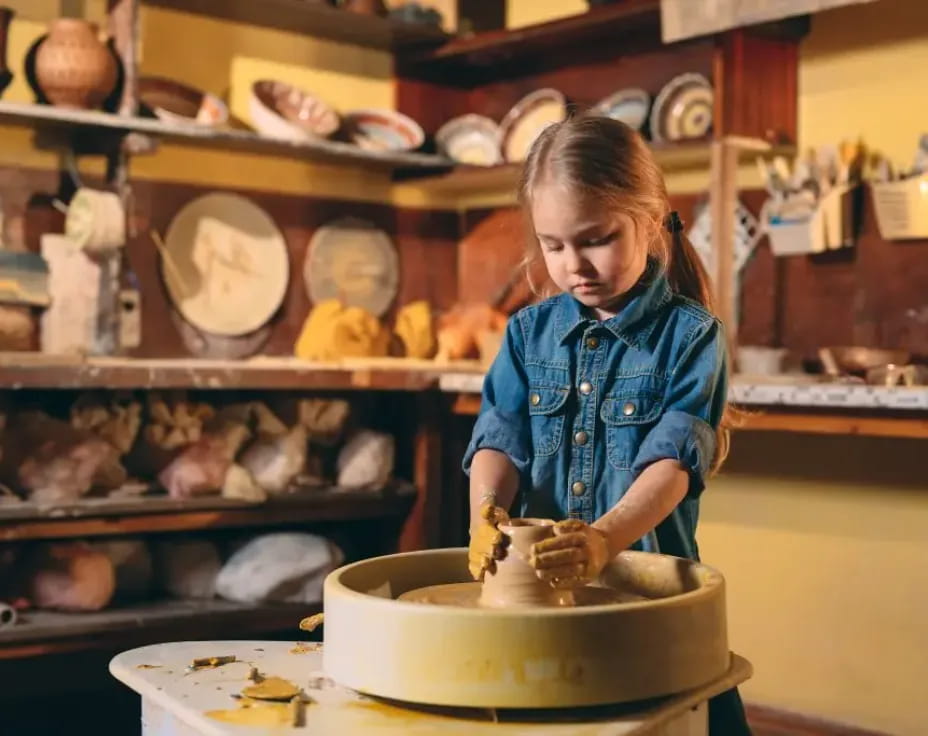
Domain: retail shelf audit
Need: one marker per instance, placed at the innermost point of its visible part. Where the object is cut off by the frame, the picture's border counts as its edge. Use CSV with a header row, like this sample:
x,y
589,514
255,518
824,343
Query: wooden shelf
x,y
314,18
145,514
50,632
837,423
37,371
225,138
458,59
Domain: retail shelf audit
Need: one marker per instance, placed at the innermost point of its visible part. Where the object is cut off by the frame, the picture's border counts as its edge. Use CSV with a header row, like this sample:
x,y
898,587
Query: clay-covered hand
x,y
487,542
574,556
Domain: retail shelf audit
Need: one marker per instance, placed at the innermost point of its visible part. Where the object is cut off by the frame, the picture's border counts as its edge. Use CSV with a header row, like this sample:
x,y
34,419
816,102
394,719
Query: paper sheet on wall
x,y
687,18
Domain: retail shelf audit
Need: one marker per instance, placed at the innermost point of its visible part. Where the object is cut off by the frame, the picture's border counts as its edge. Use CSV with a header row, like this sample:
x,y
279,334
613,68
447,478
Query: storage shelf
x,y
37,371
460,57
50,632
314,18
111,516
225,138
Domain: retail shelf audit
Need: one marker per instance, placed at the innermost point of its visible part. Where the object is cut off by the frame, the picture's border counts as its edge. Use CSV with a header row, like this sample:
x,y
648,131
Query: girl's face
x,y
591,253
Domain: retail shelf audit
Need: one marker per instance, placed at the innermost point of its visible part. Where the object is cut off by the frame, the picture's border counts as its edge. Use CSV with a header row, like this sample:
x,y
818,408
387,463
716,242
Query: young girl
x,y
606,406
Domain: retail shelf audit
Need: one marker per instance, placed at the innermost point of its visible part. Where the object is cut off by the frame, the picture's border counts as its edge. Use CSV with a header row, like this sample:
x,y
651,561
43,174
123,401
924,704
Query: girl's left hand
x,y
574,556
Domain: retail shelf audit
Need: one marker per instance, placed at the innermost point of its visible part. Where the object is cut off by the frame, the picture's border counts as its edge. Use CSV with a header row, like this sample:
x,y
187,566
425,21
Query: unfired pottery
x,y
515,583
73,67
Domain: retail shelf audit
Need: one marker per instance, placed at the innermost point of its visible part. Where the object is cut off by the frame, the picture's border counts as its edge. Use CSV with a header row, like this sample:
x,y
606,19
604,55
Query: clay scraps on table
x,y
271,701
311,623
305,647
210,662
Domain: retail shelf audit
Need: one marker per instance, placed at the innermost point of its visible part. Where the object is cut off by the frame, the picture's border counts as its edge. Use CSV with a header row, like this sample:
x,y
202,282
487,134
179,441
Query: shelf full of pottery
x,y
122,453
283,118
680,112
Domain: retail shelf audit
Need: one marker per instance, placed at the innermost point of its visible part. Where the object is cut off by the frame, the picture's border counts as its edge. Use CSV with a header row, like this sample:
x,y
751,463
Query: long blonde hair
x,y
606,159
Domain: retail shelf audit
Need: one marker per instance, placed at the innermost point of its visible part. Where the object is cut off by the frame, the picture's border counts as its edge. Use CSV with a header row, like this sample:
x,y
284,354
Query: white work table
x,y
175,701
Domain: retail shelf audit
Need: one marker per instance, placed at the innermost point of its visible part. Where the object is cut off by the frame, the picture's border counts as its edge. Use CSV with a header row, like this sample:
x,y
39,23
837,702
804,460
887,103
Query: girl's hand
x,y
486,541
574,556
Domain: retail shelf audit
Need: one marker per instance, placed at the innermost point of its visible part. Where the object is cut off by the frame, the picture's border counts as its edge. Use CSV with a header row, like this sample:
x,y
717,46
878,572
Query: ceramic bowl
x,y
470,139
280,110
629,105
174,102
682,109
383,130
527,118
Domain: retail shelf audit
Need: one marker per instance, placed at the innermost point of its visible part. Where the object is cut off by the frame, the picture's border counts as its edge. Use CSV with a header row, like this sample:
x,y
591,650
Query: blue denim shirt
x,y
582,406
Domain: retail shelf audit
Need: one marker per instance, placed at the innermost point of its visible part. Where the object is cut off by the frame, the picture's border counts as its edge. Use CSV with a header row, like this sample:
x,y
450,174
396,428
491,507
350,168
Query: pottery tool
x,y
169,261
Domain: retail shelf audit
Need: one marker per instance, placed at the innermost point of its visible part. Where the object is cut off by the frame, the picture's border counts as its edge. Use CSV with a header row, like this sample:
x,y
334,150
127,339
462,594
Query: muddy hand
x,y
574,556
487,542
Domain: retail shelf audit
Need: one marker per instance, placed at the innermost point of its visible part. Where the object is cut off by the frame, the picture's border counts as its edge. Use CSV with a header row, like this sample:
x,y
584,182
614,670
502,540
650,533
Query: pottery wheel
x,y
467,595
380,642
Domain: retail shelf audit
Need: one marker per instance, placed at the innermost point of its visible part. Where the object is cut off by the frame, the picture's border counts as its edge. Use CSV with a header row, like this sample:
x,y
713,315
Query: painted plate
x,y
470,139
527,118
228,267
629,105
682,109
352,261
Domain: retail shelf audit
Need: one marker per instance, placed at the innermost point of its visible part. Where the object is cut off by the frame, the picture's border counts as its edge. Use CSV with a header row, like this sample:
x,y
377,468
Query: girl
x,y
606,406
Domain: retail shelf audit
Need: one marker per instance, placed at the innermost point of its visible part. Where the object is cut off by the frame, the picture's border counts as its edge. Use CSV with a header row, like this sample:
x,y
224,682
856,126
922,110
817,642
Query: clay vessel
x,y
515,583
73,67
6,76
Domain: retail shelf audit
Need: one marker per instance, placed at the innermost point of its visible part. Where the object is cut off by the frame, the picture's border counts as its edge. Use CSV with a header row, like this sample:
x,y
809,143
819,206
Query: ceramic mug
x,y
515,583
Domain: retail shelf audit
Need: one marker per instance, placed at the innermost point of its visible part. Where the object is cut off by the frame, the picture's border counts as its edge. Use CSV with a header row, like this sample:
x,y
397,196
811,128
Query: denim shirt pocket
x,y
628,416
547,405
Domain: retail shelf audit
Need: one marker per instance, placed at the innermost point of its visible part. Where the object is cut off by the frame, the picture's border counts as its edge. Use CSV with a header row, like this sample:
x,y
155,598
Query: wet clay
x,y
514,583
468,595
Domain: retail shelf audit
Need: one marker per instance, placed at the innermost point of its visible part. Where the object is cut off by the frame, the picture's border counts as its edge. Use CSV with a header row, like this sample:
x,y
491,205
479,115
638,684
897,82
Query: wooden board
x,y
47,632
106,517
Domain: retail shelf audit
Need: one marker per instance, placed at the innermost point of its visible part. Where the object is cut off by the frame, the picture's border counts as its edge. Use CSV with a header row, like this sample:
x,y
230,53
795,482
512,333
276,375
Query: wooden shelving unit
x,y
49,632
23,370
159,513
35,115
314,18
461,57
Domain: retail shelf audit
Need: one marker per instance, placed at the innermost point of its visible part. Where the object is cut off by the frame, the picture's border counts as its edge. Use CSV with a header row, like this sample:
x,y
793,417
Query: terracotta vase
x,y
6,76
73,67
515,583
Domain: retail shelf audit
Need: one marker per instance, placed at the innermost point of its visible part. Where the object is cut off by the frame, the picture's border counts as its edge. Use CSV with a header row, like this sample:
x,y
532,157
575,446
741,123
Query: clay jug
x,y
73,67
515,583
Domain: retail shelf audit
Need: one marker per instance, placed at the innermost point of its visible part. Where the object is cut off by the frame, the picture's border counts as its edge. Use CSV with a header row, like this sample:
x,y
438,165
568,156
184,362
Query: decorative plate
x,y
174,102
470,139
629,105
228,264
219,347
527,118
682,109
354,262
280,110
383,130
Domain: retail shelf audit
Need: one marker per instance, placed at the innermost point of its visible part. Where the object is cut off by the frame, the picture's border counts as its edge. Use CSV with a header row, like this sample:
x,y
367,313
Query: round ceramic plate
x,y
527,118
383,130
354,262
228,267
470,139
682,109
628,105
219,347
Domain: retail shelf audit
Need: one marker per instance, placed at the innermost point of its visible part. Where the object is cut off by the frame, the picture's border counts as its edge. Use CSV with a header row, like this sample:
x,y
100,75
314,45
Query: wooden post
x,y
722,203
423,527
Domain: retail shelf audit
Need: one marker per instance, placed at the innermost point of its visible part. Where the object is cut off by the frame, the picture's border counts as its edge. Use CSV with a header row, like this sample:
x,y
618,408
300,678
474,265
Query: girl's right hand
x,y
487,542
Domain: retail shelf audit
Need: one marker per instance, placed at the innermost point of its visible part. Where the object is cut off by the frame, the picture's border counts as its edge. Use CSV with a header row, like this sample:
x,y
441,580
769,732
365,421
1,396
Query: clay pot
x,y
6,76
515,583
73,67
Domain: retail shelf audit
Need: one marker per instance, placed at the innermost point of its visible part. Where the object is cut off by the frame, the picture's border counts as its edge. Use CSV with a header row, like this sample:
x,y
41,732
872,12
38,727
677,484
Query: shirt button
x,y
628,409
535,399
581,437
586,388
592,342
578,488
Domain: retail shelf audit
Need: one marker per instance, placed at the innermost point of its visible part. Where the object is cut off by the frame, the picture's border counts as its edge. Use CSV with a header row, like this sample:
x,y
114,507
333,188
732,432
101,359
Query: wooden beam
x,y
837,424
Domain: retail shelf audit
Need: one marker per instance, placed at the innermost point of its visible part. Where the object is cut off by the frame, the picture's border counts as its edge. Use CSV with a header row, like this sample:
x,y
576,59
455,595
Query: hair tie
x,y
673,223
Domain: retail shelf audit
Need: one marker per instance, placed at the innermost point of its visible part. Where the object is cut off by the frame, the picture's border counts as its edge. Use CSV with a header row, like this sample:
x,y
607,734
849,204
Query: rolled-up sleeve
x,y
503,421
693,407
